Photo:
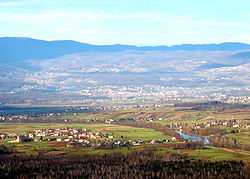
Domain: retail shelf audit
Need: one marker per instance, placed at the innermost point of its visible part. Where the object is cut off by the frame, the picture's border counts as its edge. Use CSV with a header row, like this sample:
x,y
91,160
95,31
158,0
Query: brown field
x,y
169,145
58,144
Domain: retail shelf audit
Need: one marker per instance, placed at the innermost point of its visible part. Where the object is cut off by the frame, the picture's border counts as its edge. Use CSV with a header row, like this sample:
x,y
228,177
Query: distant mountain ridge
x,y
19,48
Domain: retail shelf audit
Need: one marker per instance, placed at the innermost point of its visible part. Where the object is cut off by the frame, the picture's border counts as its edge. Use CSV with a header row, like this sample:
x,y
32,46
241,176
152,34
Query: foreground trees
x,y
145,164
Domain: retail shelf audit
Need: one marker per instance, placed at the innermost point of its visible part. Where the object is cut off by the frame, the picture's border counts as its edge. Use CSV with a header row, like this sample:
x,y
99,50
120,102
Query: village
x,y
228,123
78,137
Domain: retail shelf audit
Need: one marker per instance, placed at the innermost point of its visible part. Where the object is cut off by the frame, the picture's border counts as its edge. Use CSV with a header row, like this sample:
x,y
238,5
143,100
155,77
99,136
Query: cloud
x,y
105,26
184,20
52,16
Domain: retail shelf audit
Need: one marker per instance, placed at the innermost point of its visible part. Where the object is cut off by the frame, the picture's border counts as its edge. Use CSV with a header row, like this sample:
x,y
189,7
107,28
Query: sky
x,y
134,22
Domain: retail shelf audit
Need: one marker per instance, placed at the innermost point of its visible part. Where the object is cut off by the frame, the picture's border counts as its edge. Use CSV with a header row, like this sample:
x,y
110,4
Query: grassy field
x,y
128,133
243,136
218,154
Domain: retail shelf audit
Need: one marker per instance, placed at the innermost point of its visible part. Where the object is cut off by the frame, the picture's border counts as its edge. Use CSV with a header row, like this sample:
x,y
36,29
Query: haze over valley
x,y
115,72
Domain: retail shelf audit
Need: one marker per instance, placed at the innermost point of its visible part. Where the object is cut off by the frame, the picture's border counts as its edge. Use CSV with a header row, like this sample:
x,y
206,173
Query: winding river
x,y
203,140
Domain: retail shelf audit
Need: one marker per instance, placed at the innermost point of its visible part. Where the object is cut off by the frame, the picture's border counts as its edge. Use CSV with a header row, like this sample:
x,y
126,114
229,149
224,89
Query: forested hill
x,y
18,48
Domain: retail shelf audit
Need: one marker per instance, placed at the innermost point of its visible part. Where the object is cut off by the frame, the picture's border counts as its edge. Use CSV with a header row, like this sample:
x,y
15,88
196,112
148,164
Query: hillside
x,y
29,66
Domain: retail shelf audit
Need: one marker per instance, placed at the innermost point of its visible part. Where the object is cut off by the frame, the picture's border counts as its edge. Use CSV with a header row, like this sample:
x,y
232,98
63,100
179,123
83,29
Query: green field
x,y
242,136
218,154
128,133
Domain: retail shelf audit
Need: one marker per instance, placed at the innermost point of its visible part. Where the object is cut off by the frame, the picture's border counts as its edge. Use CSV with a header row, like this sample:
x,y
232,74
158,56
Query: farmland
x,y
59,148
170,114
228,128
162,116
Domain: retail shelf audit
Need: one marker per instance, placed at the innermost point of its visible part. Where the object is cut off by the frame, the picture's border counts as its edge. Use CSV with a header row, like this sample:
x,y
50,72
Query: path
x,y
234,150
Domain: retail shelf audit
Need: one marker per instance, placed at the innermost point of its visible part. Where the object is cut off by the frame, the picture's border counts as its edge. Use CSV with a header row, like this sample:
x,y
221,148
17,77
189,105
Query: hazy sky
x,y
137,22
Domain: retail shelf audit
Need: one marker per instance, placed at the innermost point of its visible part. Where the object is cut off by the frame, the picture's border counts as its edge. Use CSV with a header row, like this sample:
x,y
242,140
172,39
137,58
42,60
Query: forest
x,y
139,164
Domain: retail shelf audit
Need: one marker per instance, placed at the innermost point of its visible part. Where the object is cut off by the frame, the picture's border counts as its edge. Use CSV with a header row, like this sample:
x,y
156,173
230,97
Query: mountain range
x,y
19,48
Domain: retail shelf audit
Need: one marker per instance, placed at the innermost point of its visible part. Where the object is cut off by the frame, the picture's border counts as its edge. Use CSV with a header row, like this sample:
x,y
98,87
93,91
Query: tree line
x,y
204,131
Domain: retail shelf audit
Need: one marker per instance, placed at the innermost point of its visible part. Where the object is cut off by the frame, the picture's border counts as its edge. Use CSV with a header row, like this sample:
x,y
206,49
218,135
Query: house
x,y
224,123
118,142
236,125
173,139
2,136
153,142
109,121
80,140
86,141
16,140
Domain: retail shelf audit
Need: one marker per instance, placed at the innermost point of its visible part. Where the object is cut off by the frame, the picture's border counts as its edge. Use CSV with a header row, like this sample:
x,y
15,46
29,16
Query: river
x,y
203,140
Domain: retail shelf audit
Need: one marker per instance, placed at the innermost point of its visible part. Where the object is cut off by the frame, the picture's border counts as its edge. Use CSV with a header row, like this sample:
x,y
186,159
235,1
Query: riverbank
x,y
193,138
